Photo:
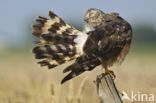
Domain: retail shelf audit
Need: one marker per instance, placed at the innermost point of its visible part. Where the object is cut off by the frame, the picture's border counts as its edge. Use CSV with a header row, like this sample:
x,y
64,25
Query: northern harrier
x,y
105,40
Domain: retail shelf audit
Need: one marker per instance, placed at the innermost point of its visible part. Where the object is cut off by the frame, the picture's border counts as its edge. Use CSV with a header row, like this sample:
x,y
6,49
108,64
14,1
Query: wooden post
x,y
107,90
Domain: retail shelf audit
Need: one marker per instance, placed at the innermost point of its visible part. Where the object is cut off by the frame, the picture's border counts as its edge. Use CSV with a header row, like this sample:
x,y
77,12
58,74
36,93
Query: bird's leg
x,y
107,71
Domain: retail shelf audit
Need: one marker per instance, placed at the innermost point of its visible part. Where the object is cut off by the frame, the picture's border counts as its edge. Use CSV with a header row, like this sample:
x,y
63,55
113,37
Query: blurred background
x,y
23,81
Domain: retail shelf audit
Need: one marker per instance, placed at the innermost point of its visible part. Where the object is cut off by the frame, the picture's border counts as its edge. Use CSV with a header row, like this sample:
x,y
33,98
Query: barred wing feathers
x,y
82,64
58,42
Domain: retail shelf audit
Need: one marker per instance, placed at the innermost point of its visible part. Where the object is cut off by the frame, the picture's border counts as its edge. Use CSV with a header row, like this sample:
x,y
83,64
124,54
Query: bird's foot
x,y
110,72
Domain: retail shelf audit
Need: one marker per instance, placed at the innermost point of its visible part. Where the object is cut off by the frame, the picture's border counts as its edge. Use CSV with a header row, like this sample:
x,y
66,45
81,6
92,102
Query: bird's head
x,y
95,17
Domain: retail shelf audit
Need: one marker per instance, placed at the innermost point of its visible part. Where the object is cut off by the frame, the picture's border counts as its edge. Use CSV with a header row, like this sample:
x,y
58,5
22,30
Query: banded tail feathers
x,y
58,42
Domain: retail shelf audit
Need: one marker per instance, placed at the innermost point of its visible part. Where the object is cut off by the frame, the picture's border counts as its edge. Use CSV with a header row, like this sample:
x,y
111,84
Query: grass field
x,y
23,81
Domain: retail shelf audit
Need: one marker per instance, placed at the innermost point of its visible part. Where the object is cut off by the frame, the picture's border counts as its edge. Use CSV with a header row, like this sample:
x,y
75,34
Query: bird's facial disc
x,y
93,17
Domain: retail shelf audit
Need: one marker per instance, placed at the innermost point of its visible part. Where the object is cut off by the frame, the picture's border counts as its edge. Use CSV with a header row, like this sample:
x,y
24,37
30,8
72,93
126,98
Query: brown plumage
x,y
107,42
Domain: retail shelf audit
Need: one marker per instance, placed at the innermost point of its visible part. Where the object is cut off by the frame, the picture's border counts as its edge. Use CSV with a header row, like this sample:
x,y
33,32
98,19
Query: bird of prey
x,y
106,40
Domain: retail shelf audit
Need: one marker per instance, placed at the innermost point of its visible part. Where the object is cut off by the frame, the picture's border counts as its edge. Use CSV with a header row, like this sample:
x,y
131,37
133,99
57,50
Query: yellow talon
x,y
110,72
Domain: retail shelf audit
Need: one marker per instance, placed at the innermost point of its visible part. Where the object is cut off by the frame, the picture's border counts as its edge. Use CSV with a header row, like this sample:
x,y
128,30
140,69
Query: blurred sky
x,y
16,16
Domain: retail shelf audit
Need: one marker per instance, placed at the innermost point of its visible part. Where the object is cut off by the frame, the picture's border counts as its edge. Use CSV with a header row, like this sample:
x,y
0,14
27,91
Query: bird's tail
x,y
82,64
55,44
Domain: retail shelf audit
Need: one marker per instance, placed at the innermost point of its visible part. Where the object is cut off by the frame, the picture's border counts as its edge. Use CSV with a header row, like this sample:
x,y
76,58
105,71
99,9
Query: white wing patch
x,y
80,41
82,37
88,28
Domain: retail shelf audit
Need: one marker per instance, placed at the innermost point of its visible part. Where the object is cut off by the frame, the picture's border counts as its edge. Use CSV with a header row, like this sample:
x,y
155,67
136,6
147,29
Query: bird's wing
x,y
117,43
100,47
88,60
58,42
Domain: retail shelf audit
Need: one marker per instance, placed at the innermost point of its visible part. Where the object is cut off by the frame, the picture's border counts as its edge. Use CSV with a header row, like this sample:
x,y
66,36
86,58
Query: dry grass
x,y
23,81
